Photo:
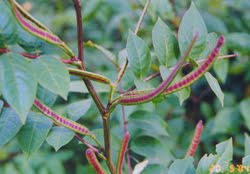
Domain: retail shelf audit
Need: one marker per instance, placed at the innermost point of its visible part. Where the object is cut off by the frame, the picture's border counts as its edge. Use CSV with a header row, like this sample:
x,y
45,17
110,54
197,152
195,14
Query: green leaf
x,y
239,42
247,144
226,121
220,161
221,69
24,165
161,8
7,25
165,43
34,132
214,24
138,55
77,109
146,123
47,97
183,94
28,41
154,168
141,85
213,83
79,87
55,164
210,44
19,87
59,136
246,161
182,166
192,23
10,124
245,110
225,151
206,164
53,75
153,149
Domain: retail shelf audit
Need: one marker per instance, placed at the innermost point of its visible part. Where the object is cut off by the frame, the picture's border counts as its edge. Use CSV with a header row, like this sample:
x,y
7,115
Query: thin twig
x,y
86,143
141,17
91,88
71,61
77,5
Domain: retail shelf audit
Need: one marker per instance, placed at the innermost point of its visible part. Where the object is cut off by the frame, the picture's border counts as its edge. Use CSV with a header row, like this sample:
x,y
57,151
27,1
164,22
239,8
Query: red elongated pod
x,y
122,152
196,138
91,157
191,77
196,74
59,120
4,50
133,100
37,31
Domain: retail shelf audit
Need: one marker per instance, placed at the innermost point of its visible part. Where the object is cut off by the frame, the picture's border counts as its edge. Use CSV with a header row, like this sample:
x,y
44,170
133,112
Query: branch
x,y
141,17
77,5
90,146
106,131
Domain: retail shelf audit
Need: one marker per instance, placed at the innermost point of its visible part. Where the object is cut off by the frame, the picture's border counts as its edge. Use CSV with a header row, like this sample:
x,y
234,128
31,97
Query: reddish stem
x,y
4,50
77,5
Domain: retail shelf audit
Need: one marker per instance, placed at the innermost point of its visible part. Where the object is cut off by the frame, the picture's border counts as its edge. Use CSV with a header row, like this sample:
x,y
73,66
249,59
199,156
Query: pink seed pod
x,y
60,120
122,152
196,138
35,30
196,74
91,157
137,99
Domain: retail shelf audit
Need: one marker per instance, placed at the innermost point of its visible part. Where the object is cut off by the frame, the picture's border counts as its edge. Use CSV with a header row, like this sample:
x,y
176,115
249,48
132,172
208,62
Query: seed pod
x,y
89,75
91,157
196,138
59,120
137,99
196,74
37,30
122,152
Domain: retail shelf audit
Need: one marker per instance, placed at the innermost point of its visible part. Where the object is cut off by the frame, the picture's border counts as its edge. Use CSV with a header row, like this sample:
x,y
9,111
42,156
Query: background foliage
x,y
160,132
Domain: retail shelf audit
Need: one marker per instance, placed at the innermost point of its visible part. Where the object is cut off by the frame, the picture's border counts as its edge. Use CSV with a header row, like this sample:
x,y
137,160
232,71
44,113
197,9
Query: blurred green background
x,y
107,23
